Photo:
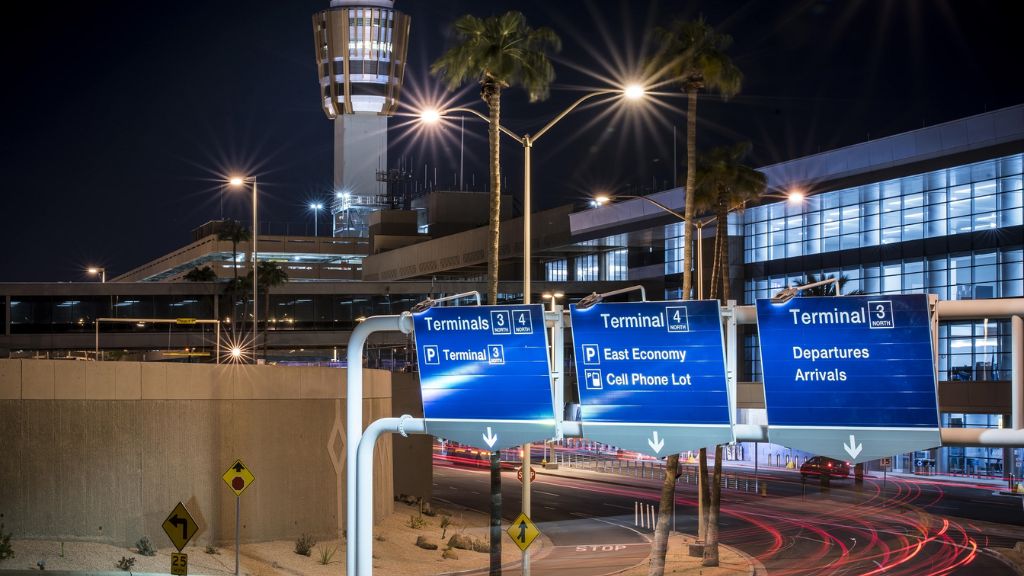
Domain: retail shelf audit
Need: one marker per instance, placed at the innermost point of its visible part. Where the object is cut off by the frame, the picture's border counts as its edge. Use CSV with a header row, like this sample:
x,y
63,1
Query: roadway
x,y
915,527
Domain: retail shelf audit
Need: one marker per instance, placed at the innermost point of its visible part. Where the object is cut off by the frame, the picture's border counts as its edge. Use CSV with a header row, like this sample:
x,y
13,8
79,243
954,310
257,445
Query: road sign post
x,y
238,478
652,375
851,377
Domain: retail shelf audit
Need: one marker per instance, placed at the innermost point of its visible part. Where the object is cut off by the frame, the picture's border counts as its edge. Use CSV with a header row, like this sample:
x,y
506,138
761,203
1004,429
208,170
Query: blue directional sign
x,y
484,374
652,375
850,377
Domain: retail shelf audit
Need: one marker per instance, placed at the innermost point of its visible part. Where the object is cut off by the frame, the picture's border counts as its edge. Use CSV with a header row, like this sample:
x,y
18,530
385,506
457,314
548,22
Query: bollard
x,y
764,488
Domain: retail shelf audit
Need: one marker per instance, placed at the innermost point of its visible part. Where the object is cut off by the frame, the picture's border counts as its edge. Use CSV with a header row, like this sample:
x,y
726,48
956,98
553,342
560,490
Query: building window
x,y
556,271
615,267
587,268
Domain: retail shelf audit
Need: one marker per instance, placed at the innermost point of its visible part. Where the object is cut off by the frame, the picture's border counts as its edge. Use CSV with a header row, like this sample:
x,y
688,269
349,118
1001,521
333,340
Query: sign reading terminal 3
x,y
849,377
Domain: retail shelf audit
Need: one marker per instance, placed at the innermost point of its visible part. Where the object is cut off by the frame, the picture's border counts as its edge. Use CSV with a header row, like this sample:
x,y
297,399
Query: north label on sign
x,y
652,375
850,377
180,527
238,477
484,374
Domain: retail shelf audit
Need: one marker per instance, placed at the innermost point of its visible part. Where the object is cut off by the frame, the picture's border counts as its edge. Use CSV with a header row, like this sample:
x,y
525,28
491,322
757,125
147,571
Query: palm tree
x,y
234,232
723,184
204,274
692,56
270,275
498,52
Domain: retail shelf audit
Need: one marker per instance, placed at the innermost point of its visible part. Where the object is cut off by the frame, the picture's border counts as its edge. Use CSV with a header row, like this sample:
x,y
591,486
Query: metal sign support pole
x,y
238,528
364,505
354,416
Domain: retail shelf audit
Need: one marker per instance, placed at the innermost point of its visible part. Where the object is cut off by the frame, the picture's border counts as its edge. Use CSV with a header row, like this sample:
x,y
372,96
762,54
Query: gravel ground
x,y
394,552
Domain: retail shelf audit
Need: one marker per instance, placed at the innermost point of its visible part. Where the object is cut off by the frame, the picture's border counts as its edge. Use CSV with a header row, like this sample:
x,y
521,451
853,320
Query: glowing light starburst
x,y
237,349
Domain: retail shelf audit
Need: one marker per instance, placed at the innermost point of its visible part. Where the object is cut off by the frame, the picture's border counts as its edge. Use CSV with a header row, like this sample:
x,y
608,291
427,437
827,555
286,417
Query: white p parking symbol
x,y
430,355
591,354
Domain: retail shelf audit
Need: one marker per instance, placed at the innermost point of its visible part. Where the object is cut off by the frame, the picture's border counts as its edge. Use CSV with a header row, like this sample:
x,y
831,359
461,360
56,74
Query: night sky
x,y
121,118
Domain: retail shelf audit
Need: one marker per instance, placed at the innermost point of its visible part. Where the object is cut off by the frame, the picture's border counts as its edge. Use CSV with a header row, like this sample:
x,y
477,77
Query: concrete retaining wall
x,y
102,451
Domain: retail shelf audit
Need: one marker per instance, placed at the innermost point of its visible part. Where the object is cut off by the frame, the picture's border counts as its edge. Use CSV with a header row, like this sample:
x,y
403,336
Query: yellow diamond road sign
x,y
238,477
180,526
523,532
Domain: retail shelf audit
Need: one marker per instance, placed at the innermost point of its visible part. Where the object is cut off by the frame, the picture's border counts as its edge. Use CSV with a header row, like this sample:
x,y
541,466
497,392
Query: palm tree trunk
x,y
703,496
722,248
715,506
491,94
691,186
495,559
665,509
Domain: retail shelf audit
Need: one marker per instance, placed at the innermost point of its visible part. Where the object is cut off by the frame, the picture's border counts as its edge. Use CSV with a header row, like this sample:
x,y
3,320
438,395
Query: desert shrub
x,y
446,521
304,544
6,550
145,547
416,522
325,555
126,564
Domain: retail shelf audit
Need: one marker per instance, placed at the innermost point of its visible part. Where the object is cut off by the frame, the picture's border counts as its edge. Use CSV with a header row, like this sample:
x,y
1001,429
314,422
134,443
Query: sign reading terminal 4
x,y
652,375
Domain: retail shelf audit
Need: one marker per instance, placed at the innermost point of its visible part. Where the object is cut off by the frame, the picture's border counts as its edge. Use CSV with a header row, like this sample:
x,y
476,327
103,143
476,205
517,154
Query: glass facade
x,y
556,271
973,460
995,273
980,196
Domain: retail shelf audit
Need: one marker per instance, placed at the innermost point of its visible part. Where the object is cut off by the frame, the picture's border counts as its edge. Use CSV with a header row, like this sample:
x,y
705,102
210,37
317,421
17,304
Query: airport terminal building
x,y
935,210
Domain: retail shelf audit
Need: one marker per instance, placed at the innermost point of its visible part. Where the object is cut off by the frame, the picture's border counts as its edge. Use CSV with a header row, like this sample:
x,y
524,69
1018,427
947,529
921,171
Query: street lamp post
x,y
632,92
101,271
316,207
794,197
238,182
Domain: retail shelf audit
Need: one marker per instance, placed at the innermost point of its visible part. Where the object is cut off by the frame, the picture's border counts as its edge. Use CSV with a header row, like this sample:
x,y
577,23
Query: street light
x,y
239,182
433,116
316,207
101,271
793,197
787,294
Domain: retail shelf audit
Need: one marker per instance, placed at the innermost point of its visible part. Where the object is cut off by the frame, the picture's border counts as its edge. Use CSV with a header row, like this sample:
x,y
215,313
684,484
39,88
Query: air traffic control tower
x,y
361,50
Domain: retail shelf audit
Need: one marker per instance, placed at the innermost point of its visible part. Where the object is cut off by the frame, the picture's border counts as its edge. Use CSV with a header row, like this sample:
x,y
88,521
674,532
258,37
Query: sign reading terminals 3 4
x,y
850,377
652,375
484,374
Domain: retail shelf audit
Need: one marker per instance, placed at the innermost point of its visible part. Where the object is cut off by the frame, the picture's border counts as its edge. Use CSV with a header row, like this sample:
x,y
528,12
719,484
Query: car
x,y
819,465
